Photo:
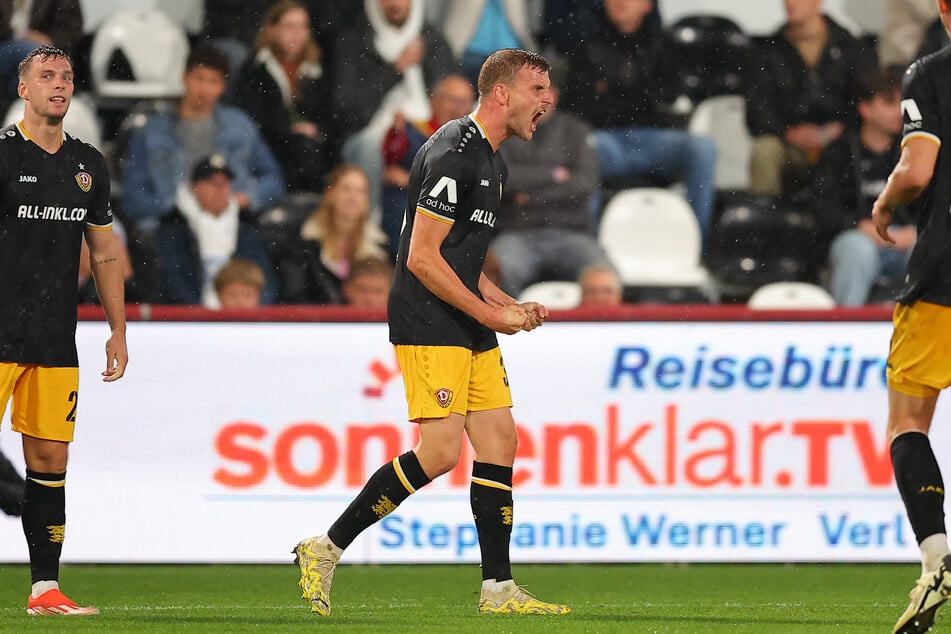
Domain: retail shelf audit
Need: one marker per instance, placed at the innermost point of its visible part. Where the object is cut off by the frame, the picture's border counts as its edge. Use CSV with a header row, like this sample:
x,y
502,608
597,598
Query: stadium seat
x,y
138,55
758,240
714,53
553,294
723,119
81,120
790,295
652,237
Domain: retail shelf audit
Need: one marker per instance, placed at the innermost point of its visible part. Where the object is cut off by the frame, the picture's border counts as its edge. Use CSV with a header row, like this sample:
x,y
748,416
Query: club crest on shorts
x,y
443,396
84,180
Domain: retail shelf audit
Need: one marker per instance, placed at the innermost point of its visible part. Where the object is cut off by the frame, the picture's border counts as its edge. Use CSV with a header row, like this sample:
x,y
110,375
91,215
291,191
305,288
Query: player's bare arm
x,y
427,263
909,178
106,264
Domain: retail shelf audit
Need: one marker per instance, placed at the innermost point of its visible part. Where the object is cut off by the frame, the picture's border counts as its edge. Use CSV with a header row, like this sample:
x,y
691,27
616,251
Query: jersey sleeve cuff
x,y
435,216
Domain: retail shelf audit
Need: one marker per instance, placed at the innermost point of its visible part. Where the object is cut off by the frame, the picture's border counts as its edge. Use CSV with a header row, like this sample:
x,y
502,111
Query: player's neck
x,y
46,133
493,125
875,139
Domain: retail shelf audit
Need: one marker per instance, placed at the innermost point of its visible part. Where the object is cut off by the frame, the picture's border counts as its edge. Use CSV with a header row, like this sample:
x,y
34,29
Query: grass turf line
x,y
416,598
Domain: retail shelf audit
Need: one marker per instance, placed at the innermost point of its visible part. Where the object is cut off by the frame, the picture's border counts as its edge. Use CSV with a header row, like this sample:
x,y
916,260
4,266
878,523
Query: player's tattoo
x,y
107,260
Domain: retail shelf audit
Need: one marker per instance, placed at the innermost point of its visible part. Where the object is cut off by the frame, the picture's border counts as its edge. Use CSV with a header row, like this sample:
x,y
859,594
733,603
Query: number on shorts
x,y
74,399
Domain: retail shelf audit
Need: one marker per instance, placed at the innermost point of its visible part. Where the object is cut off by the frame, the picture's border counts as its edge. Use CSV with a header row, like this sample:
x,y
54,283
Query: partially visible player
x,y
54,189
919,362
443,314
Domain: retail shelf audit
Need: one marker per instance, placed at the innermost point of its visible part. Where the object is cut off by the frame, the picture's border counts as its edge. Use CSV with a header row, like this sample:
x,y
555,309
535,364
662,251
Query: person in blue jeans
x,y
851,173
623,81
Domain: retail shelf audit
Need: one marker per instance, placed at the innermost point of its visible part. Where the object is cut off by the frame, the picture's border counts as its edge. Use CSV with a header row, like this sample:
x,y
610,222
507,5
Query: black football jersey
x,y
926,109
46,203
456,178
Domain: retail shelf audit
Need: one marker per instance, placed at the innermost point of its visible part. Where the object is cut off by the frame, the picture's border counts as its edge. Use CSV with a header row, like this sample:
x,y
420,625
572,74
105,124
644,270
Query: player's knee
x,y
439,461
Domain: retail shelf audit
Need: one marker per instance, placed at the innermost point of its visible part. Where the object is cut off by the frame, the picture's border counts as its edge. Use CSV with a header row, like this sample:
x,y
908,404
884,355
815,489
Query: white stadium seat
x,y
553,295
790,295
723,119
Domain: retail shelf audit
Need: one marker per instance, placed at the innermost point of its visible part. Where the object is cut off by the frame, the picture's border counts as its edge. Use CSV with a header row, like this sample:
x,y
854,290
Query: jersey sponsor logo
x,y
50,212
910,108
483,217
26,178
443,397
449,184
84,180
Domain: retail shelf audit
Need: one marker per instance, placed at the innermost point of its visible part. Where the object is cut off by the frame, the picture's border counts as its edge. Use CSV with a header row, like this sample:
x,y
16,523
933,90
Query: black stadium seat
x,y
759,240
714,53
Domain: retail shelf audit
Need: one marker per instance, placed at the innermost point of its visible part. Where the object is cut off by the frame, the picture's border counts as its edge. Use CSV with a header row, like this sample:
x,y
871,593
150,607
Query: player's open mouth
x,y
58,99
536,119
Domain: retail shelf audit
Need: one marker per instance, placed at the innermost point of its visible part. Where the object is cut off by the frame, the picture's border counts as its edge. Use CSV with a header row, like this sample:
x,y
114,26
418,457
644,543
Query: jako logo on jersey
x,y
27,179
84,180
443,396
449,184
483,217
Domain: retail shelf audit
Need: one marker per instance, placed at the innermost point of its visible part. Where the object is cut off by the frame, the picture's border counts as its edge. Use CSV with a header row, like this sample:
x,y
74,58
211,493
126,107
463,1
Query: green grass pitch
x,y
415,598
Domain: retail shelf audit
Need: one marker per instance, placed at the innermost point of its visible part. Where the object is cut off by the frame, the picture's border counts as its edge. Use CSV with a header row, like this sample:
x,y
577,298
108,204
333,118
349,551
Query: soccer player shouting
x,y
53,190
444,315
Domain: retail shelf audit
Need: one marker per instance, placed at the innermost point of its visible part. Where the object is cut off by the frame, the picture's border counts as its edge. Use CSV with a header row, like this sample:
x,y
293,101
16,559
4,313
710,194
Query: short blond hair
x,y
240,271
502,66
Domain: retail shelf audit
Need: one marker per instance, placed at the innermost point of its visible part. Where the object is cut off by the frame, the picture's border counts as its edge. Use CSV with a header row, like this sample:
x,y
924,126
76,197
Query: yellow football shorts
x,y
919,359
440,380
44,399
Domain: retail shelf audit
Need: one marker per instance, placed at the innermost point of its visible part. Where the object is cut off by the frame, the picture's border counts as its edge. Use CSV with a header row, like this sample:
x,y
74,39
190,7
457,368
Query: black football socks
x,y
491,497
44,522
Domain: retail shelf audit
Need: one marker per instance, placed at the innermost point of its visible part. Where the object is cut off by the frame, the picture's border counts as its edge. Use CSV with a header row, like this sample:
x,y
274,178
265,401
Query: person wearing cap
x,y
162,153
918,367
201,233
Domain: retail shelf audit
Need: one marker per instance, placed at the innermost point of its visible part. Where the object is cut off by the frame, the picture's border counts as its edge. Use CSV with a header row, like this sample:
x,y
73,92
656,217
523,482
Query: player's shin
x,y
922,490
44,522
384,491
491,497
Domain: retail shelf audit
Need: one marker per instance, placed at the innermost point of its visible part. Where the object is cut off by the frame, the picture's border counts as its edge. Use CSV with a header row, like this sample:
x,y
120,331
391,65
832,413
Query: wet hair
x,y
209,58
44,54
881,81
502,66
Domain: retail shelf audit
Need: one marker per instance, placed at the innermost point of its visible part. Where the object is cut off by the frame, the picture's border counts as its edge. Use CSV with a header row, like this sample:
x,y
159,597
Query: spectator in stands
x,y
389,64
622,80
546,228
331,240
568,21
453,98
284,89
27,25
801,96
477,28
163,152
905,24
239,284
851,174
600,286
368,285
203,232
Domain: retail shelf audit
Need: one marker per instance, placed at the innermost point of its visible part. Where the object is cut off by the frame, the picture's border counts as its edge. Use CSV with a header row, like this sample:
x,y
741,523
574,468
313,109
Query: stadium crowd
x,y
280,135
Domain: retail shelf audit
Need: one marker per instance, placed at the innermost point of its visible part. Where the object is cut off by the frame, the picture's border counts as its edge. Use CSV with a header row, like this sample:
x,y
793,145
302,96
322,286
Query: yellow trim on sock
x,y
491,483
402,476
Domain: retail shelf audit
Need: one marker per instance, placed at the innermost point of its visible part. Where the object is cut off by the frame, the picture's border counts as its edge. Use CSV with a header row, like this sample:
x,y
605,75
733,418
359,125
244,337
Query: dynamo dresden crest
x,y
443,396
84,180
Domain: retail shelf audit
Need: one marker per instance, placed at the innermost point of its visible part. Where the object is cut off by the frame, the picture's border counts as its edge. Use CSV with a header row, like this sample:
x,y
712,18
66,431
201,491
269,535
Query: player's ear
x,y
21,91
501,92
